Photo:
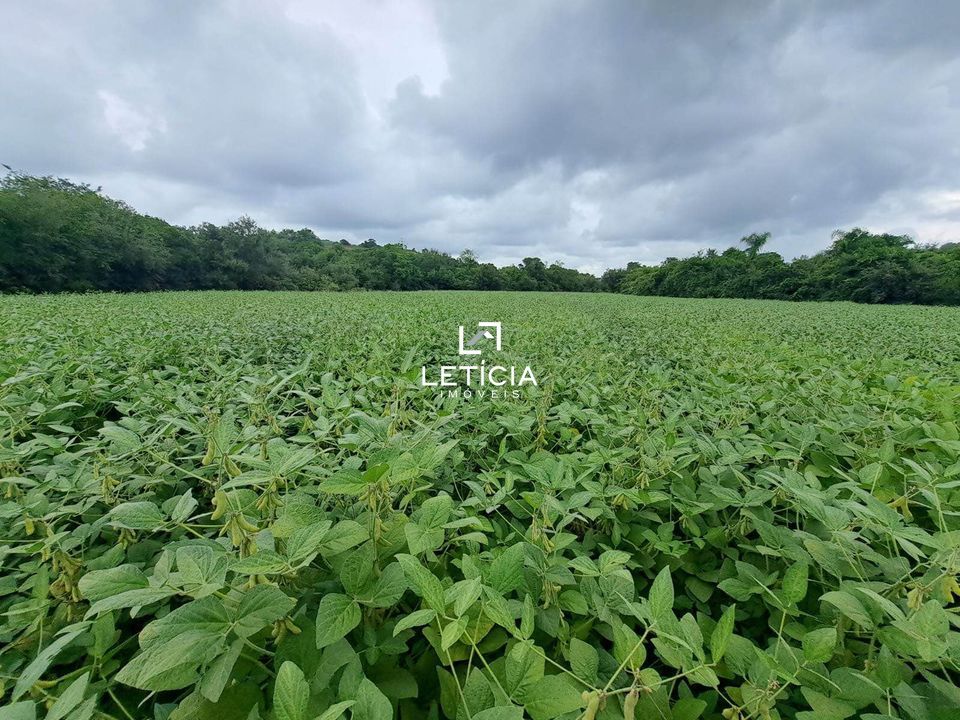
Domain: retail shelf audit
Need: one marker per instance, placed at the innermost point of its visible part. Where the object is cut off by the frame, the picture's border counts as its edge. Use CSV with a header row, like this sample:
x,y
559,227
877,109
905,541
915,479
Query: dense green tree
x,y
755,241
56,235
858,266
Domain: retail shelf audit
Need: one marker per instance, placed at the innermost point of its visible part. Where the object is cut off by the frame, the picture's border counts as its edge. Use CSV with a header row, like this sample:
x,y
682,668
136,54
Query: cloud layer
x,y
589,133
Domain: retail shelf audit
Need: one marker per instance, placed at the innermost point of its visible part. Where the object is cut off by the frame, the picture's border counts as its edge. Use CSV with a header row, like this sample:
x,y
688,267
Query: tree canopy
x,y
859,266
56,236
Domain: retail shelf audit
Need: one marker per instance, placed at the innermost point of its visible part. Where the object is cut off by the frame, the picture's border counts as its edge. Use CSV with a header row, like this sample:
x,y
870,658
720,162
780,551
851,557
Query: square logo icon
x,y
485,331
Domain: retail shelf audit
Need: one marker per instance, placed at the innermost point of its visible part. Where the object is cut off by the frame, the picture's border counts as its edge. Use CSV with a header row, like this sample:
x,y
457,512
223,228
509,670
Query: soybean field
x,y
219,505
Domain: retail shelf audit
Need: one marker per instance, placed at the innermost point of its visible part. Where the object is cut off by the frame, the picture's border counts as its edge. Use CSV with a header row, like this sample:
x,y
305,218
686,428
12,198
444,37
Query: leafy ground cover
x,y
243,505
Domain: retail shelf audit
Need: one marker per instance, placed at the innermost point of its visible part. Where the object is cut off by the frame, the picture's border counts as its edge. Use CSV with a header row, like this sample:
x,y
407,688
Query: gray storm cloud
x,y
590,133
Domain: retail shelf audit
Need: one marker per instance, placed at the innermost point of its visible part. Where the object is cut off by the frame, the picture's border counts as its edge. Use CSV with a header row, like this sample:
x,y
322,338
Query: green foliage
x,y
291,693
243,505
858,266
59,236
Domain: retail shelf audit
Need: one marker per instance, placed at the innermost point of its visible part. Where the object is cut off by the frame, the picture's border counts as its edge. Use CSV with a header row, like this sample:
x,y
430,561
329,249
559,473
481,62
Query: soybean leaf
x,y
818,644
550,697
371,703
661,596
137,516
414,619
41,662
337,616
291,693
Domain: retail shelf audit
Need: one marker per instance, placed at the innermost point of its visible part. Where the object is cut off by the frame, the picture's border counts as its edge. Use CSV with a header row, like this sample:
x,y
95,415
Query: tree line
x,y
859,266
58,236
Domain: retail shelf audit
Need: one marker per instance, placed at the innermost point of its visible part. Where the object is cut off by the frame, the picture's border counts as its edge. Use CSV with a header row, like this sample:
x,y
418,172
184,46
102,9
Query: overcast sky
x,y
589,132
